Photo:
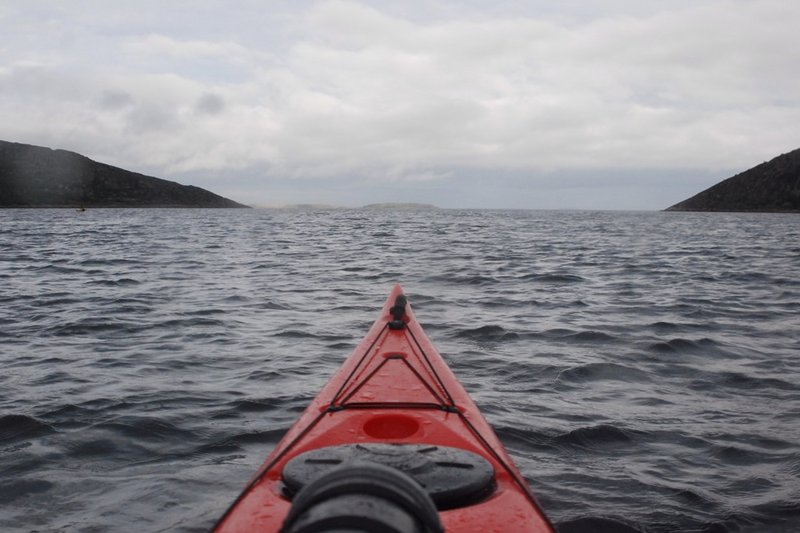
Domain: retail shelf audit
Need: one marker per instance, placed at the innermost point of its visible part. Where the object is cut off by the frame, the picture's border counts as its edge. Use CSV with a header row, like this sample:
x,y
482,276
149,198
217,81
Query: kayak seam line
x,y
424,382
419,376
267,468
362,383
514,475
392,405
358,365
431,368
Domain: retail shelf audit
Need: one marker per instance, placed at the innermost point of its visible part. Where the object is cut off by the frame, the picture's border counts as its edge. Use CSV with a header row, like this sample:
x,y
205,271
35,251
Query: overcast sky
x,y
606,104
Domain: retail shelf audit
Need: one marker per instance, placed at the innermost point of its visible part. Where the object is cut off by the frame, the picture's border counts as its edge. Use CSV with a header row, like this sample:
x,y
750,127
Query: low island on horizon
x,y
383,206
35,176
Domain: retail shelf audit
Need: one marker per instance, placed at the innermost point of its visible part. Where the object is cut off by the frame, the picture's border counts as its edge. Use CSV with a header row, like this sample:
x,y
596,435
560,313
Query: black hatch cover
x,y
451,476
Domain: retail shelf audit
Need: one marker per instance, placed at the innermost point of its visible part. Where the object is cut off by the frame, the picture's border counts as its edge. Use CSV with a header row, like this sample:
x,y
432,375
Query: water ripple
x,y
641,368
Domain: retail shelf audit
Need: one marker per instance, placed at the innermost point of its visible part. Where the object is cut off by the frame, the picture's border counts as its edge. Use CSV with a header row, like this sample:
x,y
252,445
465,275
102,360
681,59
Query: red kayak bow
x,y
393,442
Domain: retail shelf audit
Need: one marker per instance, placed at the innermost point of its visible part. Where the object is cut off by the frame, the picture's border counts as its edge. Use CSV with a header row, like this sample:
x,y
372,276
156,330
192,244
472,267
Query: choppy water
x,y
643,369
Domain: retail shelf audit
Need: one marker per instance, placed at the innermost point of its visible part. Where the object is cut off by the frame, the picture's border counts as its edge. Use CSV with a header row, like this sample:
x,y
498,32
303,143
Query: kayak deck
x,y
394,389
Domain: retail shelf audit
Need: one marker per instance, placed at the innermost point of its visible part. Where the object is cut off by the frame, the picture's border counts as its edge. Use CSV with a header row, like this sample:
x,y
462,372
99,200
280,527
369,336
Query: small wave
x,y
340,346
109,262
128,309
465,279
264,266
661,325
72,415
272,306
597,524
558,333
602,371
235,298
597,436
52,361
768,443
553,278
747,277
114,362
21,488
769,517
209,311
56,269
144,428
59,300
92,448
57,377
778,515
691,497
120,282
473,280
793,465
523,438
68,409
257,406
737,455
19,427
743,381
191,322
565,334
271,436
294,334
91,326
590,336
651,401
735,380
264,375
678,345
490,333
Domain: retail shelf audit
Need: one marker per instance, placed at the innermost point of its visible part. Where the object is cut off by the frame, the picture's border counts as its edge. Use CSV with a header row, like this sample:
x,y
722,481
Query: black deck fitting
x,y
398,311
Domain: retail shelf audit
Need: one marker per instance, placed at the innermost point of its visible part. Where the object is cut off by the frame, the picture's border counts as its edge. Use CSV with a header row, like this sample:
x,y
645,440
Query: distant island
x,y
394,206
35,176
772,187
302,207
388,206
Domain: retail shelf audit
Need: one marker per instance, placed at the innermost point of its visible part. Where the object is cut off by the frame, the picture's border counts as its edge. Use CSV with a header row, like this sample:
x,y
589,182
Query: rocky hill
x,y
773,186
33,176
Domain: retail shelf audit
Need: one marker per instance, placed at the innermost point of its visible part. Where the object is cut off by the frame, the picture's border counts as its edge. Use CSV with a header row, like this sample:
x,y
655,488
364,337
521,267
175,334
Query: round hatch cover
x,y
451,476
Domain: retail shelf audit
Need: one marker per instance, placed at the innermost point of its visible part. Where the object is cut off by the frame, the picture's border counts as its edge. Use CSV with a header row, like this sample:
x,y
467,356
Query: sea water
x,y
642,368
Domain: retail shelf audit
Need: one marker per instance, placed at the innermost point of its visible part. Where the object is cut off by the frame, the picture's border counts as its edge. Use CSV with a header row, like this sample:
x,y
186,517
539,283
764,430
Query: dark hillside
x,y
773,186
34,176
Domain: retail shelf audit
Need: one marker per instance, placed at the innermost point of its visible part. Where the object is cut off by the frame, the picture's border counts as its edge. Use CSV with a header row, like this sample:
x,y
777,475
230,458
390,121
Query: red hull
x,y
395,388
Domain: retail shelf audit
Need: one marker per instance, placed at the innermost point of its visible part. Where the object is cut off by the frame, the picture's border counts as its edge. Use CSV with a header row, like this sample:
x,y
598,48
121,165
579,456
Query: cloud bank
x,y
401,93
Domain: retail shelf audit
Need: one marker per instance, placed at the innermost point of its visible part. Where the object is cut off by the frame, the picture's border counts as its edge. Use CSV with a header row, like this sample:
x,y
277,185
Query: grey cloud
x,y
210,104
151,119
114,99
388,93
